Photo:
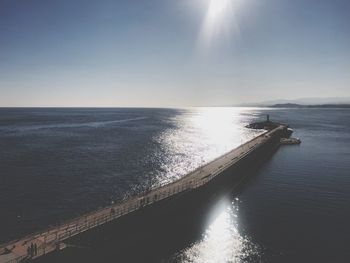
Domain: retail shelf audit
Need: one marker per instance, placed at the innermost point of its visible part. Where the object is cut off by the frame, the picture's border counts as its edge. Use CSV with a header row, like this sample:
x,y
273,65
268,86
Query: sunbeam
x,y
219,22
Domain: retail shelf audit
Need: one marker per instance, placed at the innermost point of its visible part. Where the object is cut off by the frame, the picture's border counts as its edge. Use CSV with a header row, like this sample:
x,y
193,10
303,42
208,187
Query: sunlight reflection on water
x,y
221,241
201,135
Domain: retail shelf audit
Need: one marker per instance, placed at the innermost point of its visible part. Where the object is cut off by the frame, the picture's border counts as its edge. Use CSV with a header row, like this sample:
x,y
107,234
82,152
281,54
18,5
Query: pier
x,y
55,238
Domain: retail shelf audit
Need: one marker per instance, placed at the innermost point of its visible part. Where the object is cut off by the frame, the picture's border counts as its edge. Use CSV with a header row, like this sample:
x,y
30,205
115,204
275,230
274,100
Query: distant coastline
x,y
310,102
294,105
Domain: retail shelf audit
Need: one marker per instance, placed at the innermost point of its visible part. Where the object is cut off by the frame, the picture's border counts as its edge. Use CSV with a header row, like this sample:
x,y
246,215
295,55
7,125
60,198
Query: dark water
x,y
58,163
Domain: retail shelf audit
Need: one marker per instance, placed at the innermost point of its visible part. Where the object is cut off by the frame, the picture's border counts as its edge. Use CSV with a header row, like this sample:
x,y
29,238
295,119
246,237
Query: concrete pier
x,y
55,238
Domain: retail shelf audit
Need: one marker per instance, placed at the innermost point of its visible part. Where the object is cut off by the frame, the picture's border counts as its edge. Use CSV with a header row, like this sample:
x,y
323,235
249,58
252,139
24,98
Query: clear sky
x,y
172,52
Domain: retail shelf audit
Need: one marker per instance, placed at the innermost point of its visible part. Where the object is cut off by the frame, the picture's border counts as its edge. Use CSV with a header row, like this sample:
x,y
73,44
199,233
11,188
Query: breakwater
x,y
186,189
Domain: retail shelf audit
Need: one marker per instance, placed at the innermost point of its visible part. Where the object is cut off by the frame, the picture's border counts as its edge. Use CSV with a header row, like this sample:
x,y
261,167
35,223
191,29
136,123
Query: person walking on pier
x,y
35,249
31,249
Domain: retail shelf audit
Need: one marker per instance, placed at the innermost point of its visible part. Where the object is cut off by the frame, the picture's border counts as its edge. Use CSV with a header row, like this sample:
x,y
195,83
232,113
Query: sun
x,y
219,22
217,8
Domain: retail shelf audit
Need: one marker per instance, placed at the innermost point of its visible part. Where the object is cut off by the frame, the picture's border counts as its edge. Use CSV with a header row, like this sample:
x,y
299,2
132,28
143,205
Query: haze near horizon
x,y
172,53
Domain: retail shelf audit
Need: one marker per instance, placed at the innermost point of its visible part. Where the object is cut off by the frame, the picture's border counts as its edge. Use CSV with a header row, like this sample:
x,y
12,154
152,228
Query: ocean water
x,y
59,163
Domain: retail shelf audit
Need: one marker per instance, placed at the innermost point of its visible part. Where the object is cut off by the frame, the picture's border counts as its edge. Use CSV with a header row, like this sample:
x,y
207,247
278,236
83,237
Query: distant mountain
x,y
311,101
286,105
293,105
339,101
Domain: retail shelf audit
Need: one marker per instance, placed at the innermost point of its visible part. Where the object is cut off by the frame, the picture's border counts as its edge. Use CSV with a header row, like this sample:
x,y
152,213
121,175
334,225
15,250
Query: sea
x,y
58,163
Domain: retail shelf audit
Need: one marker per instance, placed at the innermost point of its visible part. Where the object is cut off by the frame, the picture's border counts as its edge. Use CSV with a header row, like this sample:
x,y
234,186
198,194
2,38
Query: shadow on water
x,y
156,233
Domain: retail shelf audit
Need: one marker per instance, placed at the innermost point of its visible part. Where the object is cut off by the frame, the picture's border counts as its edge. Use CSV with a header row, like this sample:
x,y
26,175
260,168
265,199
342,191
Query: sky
x,y
166,53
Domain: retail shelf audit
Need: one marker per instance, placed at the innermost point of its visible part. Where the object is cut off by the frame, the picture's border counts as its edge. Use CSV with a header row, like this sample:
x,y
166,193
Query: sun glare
x,y
222,242
218,7
219,21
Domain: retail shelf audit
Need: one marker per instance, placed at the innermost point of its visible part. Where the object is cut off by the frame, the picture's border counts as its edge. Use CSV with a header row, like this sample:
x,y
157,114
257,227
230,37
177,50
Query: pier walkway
x,y
54,238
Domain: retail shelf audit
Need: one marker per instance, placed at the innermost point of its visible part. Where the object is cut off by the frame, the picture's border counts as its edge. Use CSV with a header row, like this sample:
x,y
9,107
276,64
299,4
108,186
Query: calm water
x,y
58,163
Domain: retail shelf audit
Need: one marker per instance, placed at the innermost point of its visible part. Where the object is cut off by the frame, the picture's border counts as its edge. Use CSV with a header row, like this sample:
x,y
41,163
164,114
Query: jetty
x,y
39,244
